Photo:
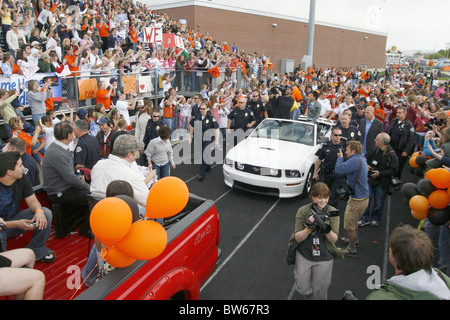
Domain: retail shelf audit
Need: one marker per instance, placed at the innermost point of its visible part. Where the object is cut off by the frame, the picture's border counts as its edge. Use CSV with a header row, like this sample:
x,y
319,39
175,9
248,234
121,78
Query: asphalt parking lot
x,y
254,232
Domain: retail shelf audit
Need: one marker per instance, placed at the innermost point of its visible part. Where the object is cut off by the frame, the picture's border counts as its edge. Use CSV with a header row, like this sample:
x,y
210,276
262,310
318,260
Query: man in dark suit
x,y
369,128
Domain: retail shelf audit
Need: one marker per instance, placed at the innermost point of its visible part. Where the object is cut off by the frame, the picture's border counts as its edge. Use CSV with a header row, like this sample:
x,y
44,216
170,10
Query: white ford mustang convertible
x,y
277,158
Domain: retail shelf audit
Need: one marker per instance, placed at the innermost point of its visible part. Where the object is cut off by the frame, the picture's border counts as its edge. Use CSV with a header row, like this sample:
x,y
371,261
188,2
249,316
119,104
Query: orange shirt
x,y
70,61
25,137
101,98
103,30
379,114
168,110
134,36
49,102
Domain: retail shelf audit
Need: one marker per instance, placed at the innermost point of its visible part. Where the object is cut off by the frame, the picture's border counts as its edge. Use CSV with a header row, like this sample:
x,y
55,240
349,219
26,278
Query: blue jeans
x,y
169,122
378,194
37,242
93,264
38,156
36,117
162,171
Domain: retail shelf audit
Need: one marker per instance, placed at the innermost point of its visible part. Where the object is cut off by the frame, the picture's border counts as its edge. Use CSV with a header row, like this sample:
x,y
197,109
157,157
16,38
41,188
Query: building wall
x,y
337,47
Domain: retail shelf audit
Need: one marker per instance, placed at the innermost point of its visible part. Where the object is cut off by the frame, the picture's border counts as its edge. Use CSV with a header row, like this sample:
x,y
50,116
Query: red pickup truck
x,y
186,263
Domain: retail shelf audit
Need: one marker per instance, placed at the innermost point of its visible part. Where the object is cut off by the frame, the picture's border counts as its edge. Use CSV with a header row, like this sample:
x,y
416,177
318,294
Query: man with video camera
x,y
357,192
383,164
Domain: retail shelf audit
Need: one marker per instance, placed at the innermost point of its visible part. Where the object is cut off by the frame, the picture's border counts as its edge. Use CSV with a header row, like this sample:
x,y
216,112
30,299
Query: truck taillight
x,y
218,230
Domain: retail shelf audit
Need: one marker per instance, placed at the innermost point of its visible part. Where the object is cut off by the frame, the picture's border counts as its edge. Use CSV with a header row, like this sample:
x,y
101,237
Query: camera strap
x,y
359,171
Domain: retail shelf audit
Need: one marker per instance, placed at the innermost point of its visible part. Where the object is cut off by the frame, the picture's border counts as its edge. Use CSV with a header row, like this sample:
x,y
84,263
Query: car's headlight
x,y
240,166
273,172
292,173
228,162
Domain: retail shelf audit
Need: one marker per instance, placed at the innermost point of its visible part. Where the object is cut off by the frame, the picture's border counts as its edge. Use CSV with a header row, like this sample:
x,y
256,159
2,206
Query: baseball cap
x,y
126,143
82,113
103,120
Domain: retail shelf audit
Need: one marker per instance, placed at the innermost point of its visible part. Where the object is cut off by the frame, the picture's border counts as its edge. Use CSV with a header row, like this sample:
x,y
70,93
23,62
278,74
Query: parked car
x,y
277,158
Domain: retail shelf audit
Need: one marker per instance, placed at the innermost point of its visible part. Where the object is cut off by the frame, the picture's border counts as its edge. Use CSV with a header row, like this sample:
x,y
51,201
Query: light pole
x,y
307,59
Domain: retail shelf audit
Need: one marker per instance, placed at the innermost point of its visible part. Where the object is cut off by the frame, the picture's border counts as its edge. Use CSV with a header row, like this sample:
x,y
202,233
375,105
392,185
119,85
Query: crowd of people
x,y
382,118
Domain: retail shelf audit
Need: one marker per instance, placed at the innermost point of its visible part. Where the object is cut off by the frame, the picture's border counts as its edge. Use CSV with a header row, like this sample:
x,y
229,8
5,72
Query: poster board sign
x,y
168,40
179,43
129,84
16,80
145,84
153,35
122,17
87,88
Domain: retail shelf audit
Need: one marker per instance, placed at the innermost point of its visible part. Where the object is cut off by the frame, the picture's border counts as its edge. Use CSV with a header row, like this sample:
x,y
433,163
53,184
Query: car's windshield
x,y
299,132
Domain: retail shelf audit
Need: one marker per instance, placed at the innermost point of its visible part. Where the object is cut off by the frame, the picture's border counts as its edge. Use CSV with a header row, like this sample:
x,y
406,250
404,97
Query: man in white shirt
x,y
95,61
325,103
43,17
348,103
125,150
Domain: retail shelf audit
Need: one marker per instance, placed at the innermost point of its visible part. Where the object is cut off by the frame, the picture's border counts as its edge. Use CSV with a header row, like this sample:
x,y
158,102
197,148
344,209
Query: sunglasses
x,y
155,116
337,135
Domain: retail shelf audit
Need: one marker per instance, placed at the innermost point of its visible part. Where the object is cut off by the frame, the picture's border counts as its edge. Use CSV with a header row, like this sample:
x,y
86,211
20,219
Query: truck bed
x,y
73,251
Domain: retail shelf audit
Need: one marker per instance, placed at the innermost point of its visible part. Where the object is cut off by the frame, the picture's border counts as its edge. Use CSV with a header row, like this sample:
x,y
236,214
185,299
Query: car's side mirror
x,y
322,139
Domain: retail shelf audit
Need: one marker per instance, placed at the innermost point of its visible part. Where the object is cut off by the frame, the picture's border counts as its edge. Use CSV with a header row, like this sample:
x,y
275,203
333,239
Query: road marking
x,y
239,245
188,180
386,242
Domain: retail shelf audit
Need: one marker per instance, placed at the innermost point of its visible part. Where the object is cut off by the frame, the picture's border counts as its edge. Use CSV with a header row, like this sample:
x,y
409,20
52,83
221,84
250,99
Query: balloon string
x,y
101,257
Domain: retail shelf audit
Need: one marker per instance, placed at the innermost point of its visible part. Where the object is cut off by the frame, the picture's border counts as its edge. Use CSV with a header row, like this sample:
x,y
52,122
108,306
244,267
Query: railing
x,y
81,93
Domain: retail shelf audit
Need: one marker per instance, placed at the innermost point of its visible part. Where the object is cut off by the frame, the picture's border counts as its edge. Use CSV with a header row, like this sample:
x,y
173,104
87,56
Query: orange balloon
x,y
419,203
166,198
419,215
429,174
110,220
440,178
146,240
412,162
439,199
117,258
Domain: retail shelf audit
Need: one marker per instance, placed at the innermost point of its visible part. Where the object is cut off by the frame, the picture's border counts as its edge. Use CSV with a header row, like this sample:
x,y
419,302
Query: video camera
x,y
320,218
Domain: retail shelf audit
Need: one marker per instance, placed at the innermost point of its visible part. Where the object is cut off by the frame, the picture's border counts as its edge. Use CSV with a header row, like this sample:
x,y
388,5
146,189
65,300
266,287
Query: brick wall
x,y
336,47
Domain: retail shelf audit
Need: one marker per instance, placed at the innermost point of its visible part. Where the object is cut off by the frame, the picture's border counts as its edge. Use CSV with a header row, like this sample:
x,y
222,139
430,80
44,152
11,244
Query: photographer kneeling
x,y
316,228
355,168
383,164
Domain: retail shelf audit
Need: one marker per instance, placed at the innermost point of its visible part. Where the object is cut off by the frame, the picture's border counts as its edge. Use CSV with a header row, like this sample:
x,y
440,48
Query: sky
x,y
410,25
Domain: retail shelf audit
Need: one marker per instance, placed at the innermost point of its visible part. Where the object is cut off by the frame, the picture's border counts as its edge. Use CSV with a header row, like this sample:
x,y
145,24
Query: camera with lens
x,y
345,192
394,185
320,218
344,141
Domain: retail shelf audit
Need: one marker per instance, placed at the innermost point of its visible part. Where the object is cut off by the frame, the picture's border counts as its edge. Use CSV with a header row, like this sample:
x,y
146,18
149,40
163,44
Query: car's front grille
x,y
257,170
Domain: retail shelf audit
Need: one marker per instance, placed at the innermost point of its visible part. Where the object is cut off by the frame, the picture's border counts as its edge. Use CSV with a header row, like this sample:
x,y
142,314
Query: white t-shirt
x,y
326,106
122,107
341,108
